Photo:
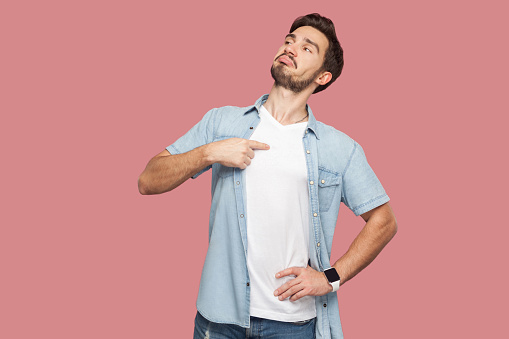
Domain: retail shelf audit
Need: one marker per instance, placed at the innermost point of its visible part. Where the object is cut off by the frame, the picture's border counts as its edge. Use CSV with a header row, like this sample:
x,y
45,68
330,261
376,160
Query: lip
x,y
286,60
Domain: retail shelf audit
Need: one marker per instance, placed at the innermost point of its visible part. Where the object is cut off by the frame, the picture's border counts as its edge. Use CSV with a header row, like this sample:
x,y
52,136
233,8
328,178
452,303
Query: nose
x,y
290,49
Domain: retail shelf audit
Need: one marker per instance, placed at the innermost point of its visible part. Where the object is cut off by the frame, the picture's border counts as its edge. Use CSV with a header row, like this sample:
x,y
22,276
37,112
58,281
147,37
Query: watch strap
x,y
335,286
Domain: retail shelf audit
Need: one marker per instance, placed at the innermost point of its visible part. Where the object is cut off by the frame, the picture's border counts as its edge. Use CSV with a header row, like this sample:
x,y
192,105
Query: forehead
x,y
313,34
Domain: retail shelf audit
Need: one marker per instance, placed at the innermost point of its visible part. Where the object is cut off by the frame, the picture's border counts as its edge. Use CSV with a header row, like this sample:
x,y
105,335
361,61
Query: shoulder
x,y
232,121
335,148
233,110
332,137
229,113
219,115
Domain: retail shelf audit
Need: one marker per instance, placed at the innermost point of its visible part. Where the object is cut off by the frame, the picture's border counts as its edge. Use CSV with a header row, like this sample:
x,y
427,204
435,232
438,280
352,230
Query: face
x,y
298,63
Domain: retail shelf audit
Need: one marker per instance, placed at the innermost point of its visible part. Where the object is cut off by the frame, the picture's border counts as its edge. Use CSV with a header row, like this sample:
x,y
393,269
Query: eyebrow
x,y
293,36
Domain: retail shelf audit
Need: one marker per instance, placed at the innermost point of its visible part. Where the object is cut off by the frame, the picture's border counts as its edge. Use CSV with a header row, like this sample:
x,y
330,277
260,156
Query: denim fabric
x,y
259,328
337,172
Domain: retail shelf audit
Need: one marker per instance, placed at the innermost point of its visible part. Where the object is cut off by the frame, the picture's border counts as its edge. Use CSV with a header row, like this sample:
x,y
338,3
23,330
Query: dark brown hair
x,y
333,61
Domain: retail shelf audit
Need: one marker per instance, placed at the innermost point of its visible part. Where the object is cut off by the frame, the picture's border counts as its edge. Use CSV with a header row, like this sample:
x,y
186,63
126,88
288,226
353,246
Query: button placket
x,y
312,169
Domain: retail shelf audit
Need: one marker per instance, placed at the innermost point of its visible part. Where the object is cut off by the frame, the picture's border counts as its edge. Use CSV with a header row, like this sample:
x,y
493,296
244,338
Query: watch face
x,y
331,274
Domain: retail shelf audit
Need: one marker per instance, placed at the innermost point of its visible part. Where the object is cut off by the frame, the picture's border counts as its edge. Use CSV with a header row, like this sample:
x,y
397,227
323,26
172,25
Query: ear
x,y
324,78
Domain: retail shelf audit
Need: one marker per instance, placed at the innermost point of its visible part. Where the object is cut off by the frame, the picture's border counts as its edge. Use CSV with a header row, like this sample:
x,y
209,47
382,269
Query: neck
x,y
286,106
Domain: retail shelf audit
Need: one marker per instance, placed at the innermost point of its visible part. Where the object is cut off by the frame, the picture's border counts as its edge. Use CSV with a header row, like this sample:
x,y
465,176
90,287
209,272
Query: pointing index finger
x,y
253,144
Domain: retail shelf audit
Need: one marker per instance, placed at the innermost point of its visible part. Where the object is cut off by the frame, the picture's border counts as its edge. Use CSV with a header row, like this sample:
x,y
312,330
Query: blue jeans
x,y
260,328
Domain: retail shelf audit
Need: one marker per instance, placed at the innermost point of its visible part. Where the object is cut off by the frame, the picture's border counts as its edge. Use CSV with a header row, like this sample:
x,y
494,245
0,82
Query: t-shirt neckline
x,y
265,112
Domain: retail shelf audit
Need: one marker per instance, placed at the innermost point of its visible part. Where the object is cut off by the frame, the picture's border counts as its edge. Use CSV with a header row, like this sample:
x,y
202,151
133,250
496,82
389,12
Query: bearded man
x,y
267,272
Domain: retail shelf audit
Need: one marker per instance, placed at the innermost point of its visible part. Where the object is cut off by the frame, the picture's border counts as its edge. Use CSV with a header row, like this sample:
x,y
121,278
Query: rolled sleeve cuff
x,y
369,205
173,150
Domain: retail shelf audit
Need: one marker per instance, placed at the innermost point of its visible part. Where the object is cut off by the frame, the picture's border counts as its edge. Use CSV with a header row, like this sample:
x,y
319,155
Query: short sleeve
x,y
200,134
362,191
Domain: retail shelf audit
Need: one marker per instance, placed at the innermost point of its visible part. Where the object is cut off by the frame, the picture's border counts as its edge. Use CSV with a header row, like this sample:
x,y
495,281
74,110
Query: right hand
x,y
234,152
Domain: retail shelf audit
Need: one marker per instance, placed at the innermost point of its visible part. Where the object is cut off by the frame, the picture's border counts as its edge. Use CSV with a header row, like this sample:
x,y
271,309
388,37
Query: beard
x,y
295,84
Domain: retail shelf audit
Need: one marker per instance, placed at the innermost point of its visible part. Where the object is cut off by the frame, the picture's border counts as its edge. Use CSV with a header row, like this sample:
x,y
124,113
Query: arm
x,y
165,171
380,228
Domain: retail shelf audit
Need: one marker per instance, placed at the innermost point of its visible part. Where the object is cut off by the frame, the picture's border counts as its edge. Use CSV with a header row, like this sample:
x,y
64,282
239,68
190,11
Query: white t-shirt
x,y
277,218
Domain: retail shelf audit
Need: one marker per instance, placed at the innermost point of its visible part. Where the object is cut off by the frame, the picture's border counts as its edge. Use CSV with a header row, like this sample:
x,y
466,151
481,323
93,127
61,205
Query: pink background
x,y
91,91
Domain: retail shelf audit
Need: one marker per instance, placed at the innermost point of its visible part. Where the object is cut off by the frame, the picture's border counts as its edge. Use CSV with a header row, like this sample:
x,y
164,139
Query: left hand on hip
x,y
307,281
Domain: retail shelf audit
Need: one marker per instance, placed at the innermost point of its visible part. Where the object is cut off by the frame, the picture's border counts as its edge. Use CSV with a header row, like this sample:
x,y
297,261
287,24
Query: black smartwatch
x,y
333,278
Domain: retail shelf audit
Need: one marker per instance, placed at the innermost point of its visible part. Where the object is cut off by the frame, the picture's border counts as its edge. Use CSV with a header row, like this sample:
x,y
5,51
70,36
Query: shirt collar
x,y
311,120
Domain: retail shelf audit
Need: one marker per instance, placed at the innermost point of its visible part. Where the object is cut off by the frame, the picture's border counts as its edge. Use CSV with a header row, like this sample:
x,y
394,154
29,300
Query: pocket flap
x,y
328,179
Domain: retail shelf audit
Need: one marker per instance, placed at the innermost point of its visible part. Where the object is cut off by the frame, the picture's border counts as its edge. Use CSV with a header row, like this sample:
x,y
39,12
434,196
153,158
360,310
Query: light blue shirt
x,y
337,172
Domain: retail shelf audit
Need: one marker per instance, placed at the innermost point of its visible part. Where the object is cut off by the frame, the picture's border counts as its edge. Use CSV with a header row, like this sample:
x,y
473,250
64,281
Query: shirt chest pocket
x,y
329,185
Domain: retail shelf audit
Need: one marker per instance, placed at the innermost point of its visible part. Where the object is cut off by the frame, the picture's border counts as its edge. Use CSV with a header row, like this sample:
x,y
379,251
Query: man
x,y
278,177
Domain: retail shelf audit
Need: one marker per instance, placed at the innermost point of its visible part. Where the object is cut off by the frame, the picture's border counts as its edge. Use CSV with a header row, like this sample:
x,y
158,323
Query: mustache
x,y
289,57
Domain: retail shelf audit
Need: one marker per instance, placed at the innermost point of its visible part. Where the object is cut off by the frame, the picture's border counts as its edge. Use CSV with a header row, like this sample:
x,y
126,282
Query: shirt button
x,y
238,182
306,131
311,182
323,181
247,284
308,152
314,214
318,244
242,215
251,127
324,305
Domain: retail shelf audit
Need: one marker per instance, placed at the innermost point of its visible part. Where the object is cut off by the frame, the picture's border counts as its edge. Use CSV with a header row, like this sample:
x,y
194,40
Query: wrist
x,y
329,286
207,155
